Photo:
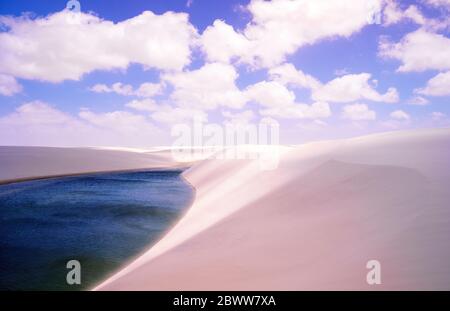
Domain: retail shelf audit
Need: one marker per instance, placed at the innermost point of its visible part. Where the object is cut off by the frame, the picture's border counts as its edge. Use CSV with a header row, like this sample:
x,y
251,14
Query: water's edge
x,y
80,174
106,218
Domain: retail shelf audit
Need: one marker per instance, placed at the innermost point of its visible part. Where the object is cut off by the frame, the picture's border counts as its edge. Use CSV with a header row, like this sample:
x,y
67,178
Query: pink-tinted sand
x,y
312,223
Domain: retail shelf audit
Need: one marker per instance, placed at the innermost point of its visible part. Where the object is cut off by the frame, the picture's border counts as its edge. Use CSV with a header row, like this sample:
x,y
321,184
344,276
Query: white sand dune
x,y
19,163
313,223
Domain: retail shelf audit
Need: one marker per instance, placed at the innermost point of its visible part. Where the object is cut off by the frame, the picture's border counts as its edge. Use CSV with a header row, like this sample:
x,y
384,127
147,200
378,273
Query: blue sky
x,y
331,43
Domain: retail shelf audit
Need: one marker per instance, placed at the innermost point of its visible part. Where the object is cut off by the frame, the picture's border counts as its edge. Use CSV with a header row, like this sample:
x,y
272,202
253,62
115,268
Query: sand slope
x,y
313,223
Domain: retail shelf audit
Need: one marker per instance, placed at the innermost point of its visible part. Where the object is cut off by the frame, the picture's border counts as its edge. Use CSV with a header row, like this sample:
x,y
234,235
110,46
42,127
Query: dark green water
x,y
101,220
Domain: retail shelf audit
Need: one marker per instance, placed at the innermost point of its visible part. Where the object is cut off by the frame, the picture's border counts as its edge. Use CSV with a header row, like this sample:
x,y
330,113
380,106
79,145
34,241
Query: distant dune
x,y
313,223
22,163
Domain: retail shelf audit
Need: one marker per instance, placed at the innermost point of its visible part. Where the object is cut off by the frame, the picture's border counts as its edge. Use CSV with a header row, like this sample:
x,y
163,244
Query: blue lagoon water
x,y
101,220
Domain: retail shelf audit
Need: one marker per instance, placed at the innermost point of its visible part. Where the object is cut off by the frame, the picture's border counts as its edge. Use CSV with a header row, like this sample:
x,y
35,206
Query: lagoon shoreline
x,y
310,224
313,223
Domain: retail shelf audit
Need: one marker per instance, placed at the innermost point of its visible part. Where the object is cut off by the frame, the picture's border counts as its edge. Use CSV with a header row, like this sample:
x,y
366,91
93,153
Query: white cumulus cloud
x,y
418,101
62,46
40,124
144,90
358,112
393,14
437,115
147,104
437,86
277,101
279,27
287,74
439,3
345,88
9,85
118,121
242,117
316,110
399,115
206,88
419,50
353,87
171,115
270,94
